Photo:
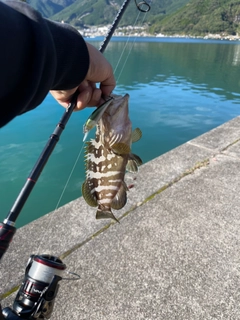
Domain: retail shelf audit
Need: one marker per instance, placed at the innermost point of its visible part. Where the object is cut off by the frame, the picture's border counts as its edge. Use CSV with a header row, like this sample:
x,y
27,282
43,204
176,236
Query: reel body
x,y
35,298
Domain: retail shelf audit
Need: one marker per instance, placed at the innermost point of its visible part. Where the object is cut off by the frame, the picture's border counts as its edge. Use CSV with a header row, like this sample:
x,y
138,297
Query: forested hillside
x,y
186,17
200,17
100,12
49,7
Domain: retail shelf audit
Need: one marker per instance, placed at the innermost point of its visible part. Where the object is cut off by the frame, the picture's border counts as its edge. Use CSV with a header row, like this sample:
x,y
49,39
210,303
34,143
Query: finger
x,y
85,84
95,98
88,97
83,99
108,85
63,97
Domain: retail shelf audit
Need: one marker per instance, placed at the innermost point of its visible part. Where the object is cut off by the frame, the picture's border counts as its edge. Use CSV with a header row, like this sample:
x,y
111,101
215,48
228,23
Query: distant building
x,y
237,18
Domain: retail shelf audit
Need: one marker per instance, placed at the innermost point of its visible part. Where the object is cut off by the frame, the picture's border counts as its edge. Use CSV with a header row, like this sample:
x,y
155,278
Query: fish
x,y
108,157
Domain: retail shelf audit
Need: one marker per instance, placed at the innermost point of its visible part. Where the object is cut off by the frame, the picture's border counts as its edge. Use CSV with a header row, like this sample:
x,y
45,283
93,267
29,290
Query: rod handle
x,y
6,235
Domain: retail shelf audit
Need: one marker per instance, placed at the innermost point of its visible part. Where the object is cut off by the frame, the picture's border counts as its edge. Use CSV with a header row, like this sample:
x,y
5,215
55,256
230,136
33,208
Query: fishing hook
x,y
146,6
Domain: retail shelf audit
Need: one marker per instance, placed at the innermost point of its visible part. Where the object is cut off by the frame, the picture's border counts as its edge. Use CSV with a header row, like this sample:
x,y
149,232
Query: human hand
x,y
100,71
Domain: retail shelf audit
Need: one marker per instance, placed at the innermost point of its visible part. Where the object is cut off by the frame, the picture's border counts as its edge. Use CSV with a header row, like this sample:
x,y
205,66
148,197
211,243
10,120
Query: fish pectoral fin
x,y
120,198
105,214
88,196
134,162
136,135
120,148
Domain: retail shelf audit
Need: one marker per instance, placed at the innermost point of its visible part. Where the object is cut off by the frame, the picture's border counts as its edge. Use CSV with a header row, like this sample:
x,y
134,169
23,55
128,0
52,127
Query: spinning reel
x,y
36,296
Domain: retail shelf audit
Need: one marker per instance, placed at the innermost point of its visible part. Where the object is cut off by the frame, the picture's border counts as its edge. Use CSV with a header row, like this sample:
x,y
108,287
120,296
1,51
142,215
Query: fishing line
x,y
60,198
145,10
125,46
139,6
70,175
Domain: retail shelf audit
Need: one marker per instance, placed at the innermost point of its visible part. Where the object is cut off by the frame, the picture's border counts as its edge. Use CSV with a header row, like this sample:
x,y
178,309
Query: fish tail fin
x,y
105,214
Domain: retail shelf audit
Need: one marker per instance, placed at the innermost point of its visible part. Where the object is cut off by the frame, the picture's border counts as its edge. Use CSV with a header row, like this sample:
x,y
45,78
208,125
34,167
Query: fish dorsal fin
x,y
136,135
120,198
120,148
134,162
89,147
88,196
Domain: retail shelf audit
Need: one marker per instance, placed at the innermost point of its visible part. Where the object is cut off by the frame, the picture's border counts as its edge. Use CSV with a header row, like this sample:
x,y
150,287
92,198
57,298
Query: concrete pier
x,y
175,253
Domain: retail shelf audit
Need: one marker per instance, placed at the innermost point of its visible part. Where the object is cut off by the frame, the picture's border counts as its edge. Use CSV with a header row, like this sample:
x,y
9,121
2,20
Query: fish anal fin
x,y
88,196
121,148
132,166
136,158
136,135
134,162
120,198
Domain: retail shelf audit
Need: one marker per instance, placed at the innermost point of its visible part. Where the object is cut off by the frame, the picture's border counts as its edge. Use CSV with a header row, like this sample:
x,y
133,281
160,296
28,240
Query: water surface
x,y
179,89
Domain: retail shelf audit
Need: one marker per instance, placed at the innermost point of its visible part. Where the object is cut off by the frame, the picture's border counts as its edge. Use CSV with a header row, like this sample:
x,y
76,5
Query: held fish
x,y
108,156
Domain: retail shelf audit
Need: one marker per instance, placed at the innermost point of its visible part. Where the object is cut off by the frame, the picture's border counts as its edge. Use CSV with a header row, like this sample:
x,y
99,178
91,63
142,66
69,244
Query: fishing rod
x,y
13,214
36,296
142,6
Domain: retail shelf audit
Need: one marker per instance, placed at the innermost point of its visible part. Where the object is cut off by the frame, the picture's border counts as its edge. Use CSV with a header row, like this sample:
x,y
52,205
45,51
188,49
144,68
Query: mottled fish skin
x,y
107,157
115,125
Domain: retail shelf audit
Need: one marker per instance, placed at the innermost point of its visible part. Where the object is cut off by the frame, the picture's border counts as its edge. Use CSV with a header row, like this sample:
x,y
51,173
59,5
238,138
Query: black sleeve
x,y
36,55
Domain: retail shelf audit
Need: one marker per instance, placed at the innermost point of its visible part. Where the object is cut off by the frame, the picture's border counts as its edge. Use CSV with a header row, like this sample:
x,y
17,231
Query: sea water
x,y
179,89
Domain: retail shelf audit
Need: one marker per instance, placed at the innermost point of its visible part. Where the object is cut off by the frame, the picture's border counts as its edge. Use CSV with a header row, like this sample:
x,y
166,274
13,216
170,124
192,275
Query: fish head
x,y
118,106
115,125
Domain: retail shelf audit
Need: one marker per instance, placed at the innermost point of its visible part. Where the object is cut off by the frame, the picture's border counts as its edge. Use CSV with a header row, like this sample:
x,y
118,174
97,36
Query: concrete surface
x,y
174,255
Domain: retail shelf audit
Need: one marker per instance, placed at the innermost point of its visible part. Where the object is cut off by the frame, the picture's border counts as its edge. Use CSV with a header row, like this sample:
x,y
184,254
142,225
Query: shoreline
x,y
217,38
209,37
94,32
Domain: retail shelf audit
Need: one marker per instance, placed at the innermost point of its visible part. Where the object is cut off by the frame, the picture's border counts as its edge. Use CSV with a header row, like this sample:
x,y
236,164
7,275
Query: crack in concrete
x,y
187,172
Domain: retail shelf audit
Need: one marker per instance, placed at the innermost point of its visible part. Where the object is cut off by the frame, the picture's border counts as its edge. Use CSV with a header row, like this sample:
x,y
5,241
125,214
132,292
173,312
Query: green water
x,y
178,88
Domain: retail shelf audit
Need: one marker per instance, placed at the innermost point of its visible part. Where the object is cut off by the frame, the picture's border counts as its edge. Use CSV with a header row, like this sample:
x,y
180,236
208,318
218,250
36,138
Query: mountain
x,y
49,7
201,17
186,17
101,12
